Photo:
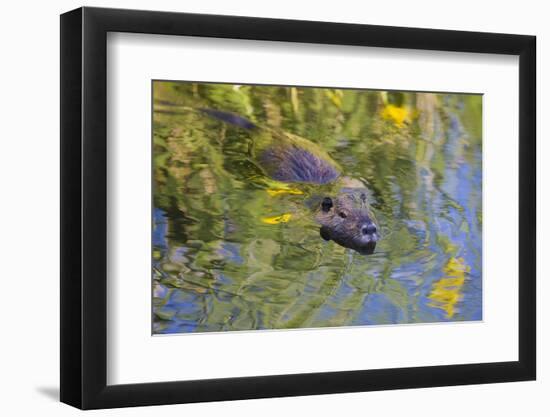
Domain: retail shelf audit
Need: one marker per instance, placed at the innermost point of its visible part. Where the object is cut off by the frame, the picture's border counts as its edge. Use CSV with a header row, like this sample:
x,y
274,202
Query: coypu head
x,y
347,220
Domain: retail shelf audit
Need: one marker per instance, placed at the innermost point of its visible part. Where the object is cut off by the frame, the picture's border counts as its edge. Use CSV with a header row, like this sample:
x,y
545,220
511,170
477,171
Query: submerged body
x,y
341,210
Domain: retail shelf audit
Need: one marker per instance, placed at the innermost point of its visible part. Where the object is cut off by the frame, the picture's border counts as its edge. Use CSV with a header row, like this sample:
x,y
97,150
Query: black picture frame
x,y
84,207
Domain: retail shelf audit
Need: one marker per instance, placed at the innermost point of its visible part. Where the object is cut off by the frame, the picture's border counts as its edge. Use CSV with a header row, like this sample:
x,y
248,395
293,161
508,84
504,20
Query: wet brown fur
x,y
344,221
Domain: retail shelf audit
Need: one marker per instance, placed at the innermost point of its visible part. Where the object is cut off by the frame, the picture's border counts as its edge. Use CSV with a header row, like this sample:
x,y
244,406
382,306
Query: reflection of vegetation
x,y
446,292
283,218
234,249
395,108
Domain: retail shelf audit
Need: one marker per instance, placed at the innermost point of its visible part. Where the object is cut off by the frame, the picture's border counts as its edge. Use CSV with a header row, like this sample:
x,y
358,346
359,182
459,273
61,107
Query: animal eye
x,y
342,215
326,204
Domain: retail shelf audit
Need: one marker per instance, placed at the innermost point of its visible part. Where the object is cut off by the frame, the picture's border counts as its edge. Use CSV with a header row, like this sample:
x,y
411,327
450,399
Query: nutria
x,y
347,221
339,205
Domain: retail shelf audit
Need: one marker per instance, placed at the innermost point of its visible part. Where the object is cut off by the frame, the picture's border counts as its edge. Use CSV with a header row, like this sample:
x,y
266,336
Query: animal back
x,y
295,164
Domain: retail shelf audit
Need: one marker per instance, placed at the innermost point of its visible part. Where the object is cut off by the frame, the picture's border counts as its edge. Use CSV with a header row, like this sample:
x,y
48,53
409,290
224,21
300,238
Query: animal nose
x,y
368,229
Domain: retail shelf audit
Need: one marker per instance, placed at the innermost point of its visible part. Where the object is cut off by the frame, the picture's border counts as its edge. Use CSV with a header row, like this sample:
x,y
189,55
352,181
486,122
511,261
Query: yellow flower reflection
x,y
399,115
447,292
283,218
278,191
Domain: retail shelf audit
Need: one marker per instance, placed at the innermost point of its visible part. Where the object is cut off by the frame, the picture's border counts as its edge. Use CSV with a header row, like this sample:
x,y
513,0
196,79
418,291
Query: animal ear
x,y
326,204
324,233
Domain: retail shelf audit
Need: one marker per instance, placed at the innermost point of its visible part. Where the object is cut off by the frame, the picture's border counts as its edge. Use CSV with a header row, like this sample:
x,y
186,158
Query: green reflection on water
x,y
235,250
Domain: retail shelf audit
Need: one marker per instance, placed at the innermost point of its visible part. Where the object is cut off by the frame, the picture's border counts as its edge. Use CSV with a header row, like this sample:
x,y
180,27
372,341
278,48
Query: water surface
x,y
234,250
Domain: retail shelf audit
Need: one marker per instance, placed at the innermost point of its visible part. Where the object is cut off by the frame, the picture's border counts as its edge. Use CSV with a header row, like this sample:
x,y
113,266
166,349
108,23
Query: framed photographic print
x,y
258,208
